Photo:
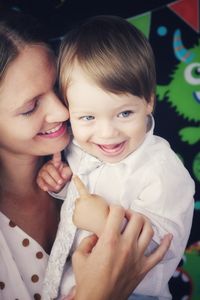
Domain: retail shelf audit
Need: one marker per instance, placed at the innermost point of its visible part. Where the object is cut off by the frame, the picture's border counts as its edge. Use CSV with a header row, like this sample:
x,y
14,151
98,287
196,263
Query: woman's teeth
x,y
52,130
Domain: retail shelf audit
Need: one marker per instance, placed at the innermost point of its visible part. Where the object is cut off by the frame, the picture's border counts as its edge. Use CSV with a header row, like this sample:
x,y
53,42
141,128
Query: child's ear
x,y
150,105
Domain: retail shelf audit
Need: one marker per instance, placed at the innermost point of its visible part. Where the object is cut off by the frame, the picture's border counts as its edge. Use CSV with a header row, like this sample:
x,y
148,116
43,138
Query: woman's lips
x,y
54,132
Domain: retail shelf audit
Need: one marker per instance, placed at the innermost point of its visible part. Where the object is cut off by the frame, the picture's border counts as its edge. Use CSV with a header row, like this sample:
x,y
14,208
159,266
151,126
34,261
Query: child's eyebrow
x,y
128,106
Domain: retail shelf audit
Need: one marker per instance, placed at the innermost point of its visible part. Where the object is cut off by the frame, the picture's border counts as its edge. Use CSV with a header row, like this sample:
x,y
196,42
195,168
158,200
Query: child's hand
x,y
90,211
54,174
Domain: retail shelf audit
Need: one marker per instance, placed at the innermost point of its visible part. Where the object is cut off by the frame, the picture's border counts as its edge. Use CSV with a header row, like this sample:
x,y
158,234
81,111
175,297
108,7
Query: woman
x,y
33,125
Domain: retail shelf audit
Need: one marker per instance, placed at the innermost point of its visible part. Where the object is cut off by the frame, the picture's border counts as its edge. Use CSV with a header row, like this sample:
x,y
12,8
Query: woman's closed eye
x,y
31,109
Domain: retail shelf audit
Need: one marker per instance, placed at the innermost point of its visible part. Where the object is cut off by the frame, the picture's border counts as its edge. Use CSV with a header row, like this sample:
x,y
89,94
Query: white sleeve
x,y
62,194
167,200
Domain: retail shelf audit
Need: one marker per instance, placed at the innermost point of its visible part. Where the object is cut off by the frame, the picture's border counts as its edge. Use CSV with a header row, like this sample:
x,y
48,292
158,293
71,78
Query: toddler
x,y
107,79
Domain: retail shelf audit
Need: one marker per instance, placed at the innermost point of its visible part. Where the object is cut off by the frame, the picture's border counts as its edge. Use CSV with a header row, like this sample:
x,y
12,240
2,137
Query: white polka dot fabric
x,y
22,263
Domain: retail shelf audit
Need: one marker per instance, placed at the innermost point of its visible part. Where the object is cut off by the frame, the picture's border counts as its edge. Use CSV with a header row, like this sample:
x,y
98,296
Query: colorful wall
x,y
173,30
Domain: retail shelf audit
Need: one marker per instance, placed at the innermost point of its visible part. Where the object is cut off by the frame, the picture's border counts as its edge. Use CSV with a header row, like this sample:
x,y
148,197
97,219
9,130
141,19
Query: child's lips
x,y
112,149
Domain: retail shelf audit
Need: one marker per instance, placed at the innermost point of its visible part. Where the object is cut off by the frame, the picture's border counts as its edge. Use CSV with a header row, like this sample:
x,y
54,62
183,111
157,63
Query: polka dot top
x,y
22,263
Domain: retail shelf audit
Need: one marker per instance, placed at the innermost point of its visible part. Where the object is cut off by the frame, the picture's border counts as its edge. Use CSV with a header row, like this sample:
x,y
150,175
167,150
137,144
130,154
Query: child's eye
x,y
31,109
87,118
125,114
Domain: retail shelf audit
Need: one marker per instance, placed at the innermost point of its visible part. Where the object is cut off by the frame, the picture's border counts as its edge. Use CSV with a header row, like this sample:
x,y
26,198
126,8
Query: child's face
x,y
106,125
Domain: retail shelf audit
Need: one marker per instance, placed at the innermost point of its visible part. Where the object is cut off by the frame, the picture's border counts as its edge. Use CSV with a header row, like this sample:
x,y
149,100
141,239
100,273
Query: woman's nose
x,y
56,110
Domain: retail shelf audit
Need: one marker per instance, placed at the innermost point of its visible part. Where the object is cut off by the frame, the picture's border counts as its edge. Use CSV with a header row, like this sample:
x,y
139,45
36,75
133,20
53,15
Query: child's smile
x,y
112,149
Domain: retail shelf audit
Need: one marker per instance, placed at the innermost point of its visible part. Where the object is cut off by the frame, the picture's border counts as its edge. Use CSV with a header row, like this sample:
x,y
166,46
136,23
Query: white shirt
x,y
153,181
22,263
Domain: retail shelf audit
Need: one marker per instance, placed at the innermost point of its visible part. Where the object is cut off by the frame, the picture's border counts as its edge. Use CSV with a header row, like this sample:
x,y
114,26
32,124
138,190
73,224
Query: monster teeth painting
x,y
197,96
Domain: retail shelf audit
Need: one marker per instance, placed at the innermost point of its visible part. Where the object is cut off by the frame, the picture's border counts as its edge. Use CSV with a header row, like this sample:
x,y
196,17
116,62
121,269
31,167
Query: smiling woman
x,y
28,106
32,109
33,124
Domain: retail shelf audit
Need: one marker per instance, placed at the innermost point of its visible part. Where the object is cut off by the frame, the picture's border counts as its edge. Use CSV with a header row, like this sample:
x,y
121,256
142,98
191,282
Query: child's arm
x,y
54,174
91,210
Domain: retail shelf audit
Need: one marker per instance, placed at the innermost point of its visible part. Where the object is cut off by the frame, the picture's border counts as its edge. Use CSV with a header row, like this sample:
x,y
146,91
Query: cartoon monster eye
x,y
192,73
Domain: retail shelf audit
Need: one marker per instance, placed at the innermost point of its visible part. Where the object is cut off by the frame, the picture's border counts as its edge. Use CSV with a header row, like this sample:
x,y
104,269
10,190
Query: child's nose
x,y
107,130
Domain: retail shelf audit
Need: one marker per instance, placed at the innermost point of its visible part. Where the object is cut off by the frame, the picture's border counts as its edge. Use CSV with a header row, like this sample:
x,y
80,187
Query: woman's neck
x,y
18,173
18,179
22,201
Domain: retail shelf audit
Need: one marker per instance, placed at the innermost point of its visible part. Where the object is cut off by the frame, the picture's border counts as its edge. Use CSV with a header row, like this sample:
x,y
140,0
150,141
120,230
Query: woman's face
x,y
32,118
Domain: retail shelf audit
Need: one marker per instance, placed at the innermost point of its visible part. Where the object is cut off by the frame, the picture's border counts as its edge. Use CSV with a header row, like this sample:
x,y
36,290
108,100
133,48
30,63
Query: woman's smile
x,y
55,132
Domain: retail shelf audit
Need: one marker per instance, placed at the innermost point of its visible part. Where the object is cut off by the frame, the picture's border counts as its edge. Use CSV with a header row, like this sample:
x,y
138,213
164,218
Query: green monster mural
x,y
183,92
190,272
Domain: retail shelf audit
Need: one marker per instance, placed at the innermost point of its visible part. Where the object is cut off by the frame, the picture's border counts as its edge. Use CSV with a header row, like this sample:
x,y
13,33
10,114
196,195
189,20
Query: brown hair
x,y
113,53
16,31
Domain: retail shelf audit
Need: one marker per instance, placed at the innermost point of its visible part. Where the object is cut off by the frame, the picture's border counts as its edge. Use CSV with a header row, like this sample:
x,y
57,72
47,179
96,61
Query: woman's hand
x,y
111,268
